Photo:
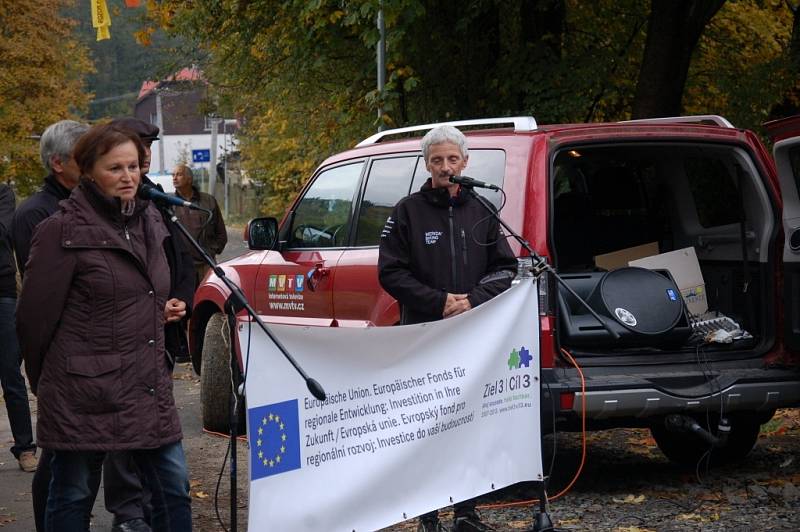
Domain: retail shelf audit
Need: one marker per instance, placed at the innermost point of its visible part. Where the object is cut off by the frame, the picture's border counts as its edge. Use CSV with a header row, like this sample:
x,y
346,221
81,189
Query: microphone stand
x,y
542,521
236,302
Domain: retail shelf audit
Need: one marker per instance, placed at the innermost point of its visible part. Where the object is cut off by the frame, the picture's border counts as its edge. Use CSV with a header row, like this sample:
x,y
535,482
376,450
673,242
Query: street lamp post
x,y
227,142
160,124
212,171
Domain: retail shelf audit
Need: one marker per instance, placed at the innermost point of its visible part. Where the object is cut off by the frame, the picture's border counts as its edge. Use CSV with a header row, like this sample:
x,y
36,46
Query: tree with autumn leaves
x,y
41,81
301,73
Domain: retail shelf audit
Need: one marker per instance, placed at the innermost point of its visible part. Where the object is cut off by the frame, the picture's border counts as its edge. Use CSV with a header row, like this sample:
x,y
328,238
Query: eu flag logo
x,y
274,439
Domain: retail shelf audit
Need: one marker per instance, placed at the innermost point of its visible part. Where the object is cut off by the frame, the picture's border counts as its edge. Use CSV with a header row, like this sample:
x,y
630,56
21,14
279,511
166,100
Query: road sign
x,y
201,156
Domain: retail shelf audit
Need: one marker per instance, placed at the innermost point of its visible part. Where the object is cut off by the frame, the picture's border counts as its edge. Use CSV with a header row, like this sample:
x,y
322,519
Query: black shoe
x,y
469,522
133,525
430,525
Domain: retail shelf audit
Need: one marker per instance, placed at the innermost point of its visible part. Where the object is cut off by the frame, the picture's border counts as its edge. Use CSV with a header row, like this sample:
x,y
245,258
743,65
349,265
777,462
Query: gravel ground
x,y
626,485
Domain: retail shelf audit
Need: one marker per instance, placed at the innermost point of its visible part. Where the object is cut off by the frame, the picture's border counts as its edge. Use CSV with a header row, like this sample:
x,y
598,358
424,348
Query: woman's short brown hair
x,y
101,139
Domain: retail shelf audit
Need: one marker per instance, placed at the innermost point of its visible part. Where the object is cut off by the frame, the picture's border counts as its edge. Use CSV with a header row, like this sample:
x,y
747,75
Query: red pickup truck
x,y
588,197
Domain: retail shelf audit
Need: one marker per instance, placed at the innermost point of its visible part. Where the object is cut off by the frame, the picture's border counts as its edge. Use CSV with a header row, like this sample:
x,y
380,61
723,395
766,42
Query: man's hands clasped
x,y
456,304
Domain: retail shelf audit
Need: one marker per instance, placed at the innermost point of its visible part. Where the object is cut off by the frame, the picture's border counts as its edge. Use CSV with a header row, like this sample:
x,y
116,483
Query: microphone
x,y
469,182
151,193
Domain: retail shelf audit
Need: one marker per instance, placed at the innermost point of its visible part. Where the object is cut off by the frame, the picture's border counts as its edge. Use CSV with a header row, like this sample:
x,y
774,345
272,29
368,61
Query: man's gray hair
x,y
59,139
442,134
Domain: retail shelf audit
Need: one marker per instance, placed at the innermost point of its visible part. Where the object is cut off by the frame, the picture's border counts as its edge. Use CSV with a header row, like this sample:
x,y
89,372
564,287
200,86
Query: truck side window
x,y
483,165
322,217
389,181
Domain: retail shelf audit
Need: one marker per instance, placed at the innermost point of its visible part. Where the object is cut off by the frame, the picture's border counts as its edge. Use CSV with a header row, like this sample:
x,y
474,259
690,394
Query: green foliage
x,y
742,68
125,60
302,75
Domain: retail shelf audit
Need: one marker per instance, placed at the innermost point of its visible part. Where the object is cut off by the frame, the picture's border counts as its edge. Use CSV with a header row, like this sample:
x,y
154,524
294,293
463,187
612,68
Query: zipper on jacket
x,y
452,248
464,245
127,234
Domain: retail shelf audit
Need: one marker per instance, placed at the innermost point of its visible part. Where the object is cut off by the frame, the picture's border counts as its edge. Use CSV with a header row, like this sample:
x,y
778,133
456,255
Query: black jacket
x,y
31,212
181,269
433,245
8,277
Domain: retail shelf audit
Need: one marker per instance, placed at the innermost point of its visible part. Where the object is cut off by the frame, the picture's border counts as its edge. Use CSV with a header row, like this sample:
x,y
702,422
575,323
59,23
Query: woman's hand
x,y
174,310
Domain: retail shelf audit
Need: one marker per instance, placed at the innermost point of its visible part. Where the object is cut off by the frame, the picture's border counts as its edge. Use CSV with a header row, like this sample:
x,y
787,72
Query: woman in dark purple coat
x,y
91,321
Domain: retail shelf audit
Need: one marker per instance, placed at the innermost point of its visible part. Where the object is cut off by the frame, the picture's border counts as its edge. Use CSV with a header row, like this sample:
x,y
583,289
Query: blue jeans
x,y
70,502
14,391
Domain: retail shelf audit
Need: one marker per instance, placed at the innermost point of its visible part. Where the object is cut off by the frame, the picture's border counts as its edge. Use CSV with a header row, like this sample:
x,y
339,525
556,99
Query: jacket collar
x,y
53,187
106,206
441,196
194,198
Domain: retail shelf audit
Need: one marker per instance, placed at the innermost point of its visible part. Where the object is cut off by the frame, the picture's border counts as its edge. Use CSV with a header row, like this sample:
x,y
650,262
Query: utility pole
x,y
160,124
212,171
381,53
225,139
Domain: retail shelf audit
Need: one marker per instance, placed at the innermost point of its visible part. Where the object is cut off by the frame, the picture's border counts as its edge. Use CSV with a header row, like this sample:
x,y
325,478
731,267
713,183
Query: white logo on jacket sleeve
x,y
387,228
431,237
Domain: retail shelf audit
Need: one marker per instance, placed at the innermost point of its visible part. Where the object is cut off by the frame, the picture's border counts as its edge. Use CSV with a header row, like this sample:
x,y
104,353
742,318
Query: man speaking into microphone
x,y
442,254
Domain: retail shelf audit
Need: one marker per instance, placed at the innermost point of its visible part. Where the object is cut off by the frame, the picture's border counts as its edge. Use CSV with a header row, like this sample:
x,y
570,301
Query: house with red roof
x,y
177,105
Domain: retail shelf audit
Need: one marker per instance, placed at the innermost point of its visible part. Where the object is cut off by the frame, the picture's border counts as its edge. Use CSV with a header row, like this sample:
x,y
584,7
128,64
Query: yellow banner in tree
x,y
100,19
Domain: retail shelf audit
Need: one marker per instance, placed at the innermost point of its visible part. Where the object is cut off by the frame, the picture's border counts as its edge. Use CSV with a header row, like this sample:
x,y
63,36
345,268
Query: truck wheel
x,y
215,375
688,449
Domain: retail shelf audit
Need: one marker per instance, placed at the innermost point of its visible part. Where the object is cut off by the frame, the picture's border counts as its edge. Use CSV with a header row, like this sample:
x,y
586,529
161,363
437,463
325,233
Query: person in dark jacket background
x,y
55,151
441,255
126,496
92,336
15,392
210,234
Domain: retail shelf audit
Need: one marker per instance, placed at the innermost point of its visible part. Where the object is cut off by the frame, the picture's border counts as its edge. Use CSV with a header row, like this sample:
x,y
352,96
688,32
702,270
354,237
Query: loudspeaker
x,y
644,307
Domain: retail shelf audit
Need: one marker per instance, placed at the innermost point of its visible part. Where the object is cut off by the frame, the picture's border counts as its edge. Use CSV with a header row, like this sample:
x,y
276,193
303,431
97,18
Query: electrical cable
x,y
219,482
225,334
555,434
489,217
223,435
583,449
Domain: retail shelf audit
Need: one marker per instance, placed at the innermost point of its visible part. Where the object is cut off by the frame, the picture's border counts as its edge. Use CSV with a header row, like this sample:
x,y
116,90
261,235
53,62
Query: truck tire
x,y
215,375
688,449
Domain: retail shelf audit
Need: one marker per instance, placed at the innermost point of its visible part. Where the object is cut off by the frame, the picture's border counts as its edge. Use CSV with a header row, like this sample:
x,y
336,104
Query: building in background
x,y
177,106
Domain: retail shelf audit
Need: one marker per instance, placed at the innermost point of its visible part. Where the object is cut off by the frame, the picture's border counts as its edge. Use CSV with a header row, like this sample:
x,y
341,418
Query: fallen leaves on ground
x,y
630,499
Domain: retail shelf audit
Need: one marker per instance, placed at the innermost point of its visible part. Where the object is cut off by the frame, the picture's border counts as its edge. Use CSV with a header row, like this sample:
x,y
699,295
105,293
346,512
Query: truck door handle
x,y
316,274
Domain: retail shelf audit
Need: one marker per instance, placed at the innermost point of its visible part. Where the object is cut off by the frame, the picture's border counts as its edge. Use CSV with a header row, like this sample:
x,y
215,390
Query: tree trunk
x,y
673,30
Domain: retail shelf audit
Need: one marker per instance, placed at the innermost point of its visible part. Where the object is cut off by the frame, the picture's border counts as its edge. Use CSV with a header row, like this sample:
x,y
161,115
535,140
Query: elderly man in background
x,y
209,233
55,150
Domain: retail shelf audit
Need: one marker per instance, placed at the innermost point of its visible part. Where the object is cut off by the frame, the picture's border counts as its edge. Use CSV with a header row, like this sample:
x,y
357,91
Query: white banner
x,y
417,417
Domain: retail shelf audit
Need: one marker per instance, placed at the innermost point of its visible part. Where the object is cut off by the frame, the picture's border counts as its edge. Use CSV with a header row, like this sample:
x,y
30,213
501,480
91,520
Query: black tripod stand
x,y
233,305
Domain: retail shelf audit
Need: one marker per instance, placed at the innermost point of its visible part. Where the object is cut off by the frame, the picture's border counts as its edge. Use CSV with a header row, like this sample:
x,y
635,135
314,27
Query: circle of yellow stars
x,y
270,461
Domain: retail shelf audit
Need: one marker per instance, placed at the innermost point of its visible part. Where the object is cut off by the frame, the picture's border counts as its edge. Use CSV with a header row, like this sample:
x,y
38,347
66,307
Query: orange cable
x,y
583,448
223,435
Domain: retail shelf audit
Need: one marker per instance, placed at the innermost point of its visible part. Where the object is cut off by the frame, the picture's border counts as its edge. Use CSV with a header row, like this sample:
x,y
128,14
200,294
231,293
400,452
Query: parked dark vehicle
x,y
588,197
